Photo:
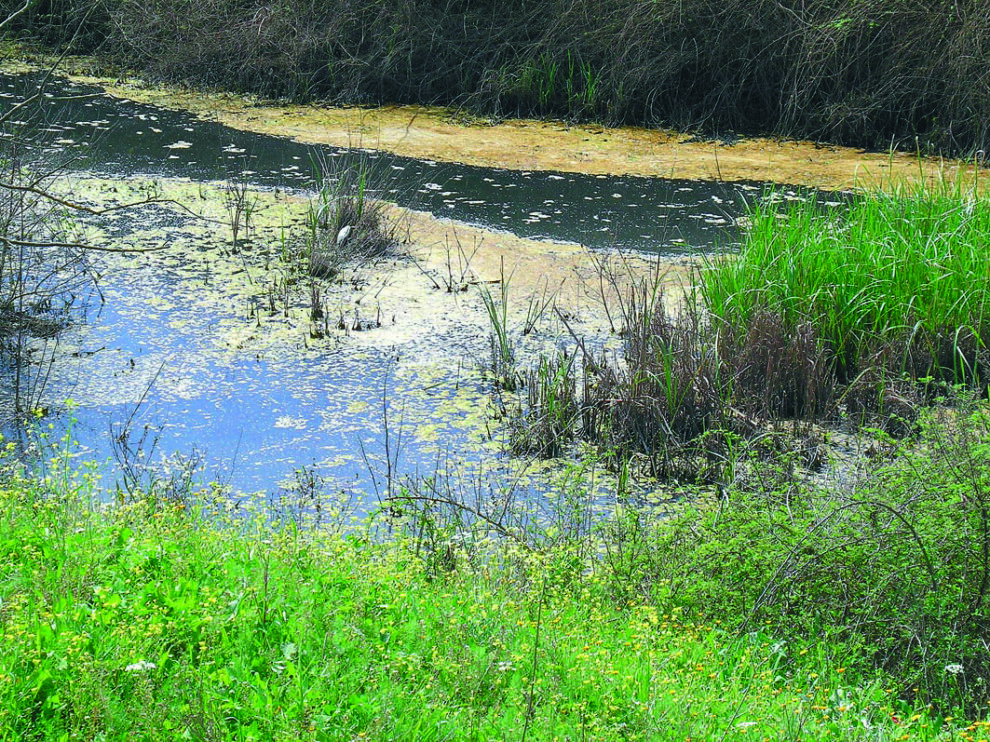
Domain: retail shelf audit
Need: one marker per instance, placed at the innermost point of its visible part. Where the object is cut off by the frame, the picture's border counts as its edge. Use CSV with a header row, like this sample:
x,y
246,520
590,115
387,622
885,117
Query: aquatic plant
x,y
865,311
240,205
503,344
458,262
667,390
549,419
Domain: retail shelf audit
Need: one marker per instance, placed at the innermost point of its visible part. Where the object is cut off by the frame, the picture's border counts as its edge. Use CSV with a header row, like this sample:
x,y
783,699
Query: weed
x,y
905,269
503,349
549,419
895,564
866,74
458,264
278,631
308,502
240,205
536,308
345,223
667,391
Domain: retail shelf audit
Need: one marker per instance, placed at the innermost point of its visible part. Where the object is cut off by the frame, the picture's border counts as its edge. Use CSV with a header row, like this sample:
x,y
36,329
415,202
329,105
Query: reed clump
x,y
345,223
897,280
862,313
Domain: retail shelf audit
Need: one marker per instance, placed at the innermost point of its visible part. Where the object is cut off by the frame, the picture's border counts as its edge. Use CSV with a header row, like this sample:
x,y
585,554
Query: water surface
x,y
172,352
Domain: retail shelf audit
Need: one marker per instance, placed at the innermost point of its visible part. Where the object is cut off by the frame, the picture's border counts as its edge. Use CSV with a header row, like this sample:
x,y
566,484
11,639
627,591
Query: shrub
x,y
897,564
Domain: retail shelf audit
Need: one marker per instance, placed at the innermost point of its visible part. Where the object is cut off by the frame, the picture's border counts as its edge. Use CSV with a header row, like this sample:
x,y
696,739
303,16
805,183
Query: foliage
x,y
898,277
503,345
895,564
43,271
159,620
864,311
548,421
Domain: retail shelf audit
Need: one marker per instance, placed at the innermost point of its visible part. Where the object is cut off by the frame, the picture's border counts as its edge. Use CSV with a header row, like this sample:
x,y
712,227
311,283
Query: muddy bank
x,y
444,135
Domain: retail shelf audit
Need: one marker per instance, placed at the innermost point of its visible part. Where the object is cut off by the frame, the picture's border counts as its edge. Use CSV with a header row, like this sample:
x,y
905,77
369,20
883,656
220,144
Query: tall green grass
x,y
170,620
866,310
903,274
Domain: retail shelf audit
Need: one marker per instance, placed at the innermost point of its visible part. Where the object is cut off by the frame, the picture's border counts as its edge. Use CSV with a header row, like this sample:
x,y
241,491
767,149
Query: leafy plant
x,y
895,565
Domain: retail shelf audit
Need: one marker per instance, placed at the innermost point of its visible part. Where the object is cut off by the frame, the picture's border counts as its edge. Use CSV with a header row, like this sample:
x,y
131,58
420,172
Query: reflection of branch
x,y
77,246
82,207
74,206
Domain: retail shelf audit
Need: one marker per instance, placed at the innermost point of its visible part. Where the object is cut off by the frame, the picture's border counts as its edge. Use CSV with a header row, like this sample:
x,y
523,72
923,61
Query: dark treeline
x,y
863,72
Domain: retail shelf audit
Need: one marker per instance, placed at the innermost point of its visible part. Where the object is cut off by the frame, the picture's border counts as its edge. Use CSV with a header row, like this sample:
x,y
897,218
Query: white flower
x,y
141,666
954,669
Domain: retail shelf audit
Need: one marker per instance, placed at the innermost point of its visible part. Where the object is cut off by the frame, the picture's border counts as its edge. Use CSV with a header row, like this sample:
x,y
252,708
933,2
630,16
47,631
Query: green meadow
x,y
804,612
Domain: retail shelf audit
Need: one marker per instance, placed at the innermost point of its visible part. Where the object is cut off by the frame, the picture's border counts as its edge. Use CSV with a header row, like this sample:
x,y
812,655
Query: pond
x,y
663,215
207,351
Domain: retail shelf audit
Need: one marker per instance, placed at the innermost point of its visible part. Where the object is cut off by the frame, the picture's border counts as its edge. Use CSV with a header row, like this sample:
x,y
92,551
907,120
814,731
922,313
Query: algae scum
x,y
210,349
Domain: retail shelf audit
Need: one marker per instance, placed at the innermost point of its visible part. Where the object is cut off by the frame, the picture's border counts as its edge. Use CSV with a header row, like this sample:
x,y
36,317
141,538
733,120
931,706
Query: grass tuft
x,y
897,277
345,223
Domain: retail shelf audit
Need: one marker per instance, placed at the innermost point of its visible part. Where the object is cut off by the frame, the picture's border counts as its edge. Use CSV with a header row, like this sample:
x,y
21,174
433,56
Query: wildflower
x,y
954,669
140,666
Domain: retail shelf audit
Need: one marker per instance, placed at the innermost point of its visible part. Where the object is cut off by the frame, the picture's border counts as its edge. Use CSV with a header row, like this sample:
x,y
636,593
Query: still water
x,y
147,357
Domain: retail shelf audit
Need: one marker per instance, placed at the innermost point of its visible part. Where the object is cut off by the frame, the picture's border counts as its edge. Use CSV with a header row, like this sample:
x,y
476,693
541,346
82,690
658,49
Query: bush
x,y
897,565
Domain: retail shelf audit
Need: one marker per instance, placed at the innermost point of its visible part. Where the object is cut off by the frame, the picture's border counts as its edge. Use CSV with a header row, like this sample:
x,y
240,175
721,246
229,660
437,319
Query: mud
x,y
447,135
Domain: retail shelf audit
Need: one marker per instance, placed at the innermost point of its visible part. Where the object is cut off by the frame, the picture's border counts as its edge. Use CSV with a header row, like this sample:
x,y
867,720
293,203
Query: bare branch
x,y
4,117
75,206
16,13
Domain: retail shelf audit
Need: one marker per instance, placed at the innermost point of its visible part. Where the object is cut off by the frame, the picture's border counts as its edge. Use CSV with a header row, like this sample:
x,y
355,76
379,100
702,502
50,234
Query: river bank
x,y
864,73
447,135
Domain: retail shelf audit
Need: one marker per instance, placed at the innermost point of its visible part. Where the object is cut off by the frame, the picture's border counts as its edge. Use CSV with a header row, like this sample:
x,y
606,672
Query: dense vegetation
x,y
863,72
858,314
786,612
